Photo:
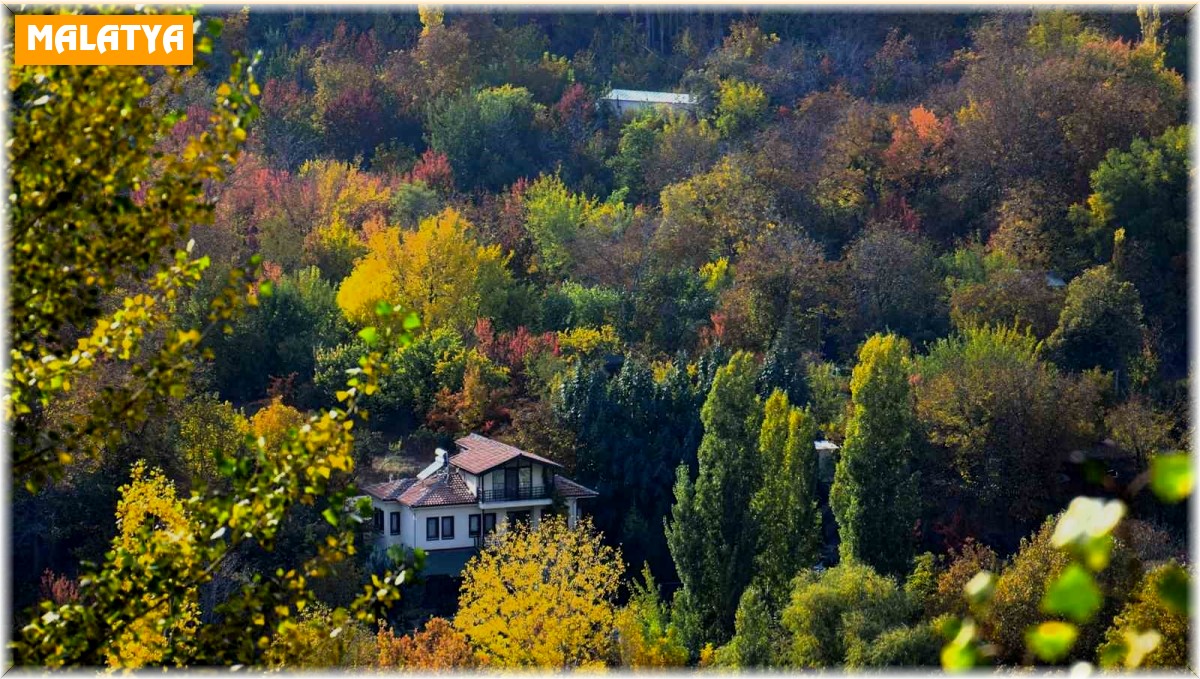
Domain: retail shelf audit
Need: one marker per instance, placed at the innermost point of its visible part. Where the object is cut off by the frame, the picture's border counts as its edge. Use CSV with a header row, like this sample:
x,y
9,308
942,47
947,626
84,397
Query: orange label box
x,y
105,40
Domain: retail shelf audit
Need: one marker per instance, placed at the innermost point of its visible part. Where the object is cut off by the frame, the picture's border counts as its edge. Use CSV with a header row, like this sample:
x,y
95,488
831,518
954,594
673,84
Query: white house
x,y
628,101
453,503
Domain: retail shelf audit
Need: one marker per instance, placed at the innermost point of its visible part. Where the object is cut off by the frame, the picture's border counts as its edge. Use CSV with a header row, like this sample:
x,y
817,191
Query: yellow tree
x,y
273,423
149,513
542,597
439,271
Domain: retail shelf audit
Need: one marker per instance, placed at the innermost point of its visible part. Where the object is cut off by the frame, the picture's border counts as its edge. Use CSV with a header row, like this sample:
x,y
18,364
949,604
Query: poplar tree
x,y
711,531
785,506
874,495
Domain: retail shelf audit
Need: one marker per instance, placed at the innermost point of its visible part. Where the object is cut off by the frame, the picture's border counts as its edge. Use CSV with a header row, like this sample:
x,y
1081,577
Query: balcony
x,y
515,493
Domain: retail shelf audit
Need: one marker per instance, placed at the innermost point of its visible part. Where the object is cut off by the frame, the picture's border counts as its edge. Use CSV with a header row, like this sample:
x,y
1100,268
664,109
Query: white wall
x,y
461,526
386,539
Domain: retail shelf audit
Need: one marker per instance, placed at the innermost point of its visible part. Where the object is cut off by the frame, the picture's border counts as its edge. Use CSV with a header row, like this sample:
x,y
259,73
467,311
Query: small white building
x,y
454,503
631,101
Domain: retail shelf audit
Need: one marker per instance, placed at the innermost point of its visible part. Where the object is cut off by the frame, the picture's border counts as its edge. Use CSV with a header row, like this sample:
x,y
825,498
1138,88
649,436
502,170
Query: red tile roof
x,y
444,488
388,490
568,488
479,454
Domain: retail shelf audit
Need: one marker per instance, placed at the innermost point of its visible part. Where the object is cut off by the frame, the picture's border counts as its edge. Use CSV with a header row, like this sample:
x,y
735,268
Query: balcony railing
x,y
512,493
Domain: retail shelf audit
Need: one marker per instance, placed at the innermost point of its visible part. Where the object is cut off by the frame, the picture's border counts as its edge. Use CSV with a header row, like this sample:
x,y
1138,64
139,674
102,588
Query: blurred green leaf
x,y
958,658
330,516
1171,476
369,335
1051,641
1073,594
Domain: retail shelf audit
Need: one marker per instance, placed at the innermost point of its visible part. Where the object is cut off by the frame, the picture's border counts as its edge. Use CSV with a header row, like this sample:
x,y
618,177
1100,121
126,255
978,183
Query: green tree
x,y
875,490
1100,324
711,531
283,333
488,135
785,506
755,636
836,615
1143,194
631,431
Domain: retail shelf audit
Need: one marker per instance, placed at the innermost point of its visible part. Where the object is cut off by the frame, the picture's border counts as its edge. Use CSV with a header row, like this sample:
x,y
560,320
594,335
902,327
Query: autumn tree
x,y
129,208
875,488
785,506
893,285
1021,587
711,531
996,411
204,425
150,511
439,271
1150,610
541,597
436,647
71,162
740,107
713,215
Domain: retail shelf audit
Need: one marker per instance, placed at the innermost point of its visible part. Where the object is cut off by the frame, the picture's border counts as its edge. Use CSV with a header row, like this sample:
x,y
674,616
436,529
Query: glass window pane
x,y
473,526
447,527
431,528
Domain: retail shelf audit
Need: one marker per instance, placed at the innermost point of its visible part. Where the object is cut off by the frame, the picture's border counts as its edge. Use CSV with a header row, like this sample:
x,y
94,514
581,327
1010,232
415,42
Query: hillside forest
x,y
876,355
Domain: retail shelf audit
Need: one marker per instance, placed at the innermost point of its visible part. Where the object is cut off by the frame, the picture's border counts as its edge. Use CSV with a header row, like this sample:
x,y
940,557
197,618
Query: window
x,y
431,528
489,522
447,527
473,526
395,523
379,519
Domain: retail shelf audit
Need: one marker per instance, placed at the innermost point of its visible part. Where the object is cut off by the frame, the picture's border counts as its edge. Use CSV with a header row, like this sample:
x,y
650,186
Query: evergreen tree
x,y
711,534
783,366
785,507
874,495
